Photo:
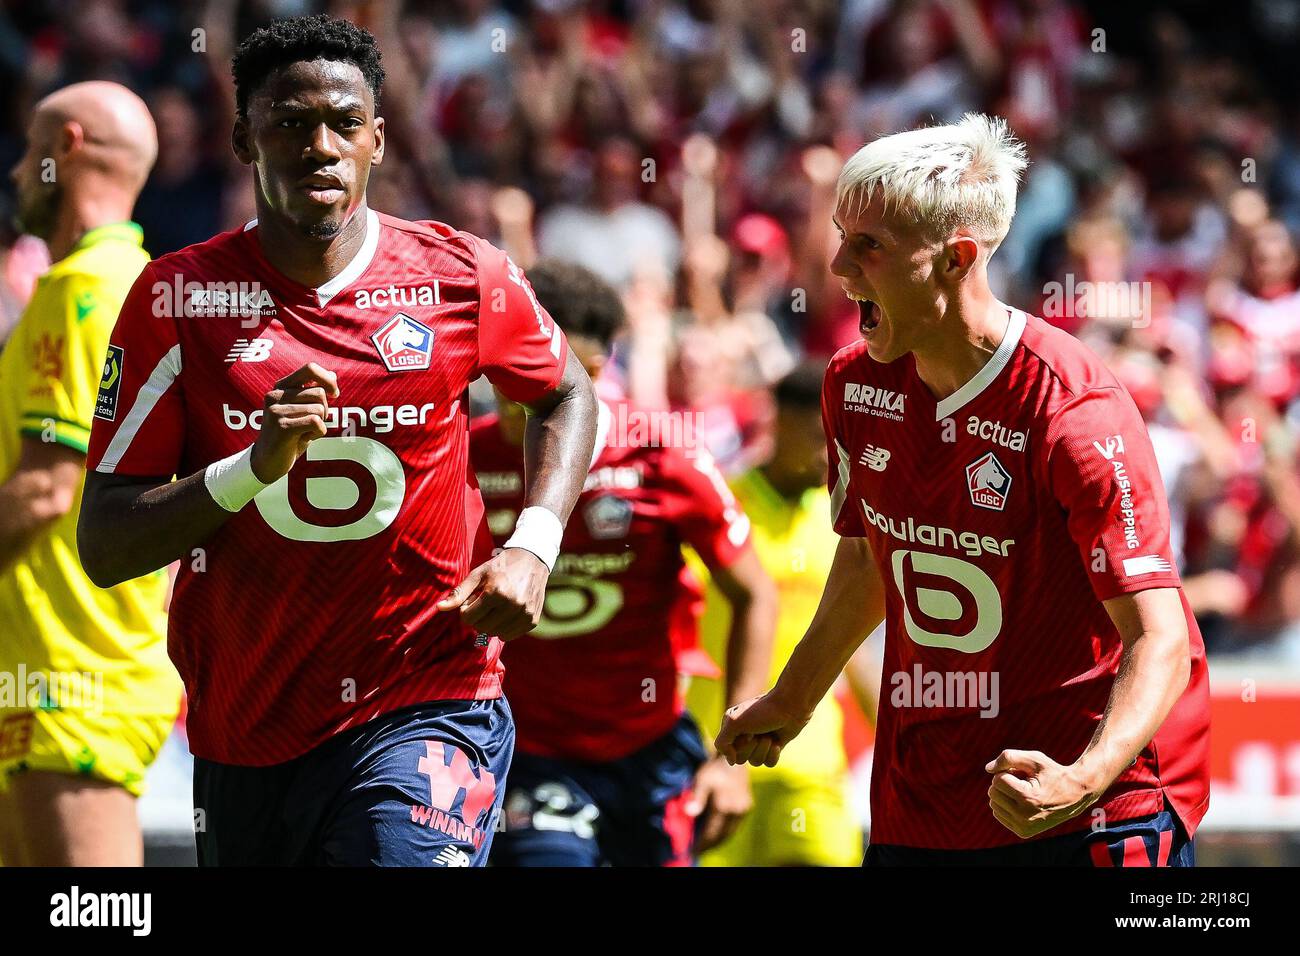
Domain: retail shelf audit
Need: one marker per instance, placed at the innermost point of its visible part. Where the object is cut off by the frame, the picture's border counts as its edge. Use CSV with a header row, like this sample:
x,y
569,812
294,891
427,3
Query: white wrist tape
x,y
231,481
538,531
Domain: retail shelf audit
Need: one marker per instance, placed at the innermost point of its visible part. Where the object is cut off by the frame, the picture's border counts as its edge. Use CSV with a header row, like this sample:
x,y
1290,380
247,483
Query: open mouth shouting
x,y
869,313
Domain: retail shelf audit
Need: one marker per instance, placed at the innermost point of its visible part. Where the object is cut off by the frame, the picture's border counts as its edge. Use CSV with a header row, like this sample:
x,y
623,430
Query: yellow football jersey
x,y
796,544
65,643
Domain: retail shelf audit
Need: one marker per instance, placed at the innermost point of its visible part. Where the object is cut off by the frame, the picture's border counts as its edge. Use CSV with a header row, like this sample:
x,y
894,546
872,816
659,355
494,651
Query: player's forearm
x,y
754,609
129,529
852,604
558,443
1153,672
41,490
749,650
863,673
29,502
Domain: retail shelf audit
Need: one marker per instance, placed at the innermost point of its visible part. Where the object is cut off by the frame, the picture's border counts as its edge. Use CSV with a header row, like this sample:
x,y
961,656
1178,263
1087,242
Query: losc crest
x,y
988,482
404,344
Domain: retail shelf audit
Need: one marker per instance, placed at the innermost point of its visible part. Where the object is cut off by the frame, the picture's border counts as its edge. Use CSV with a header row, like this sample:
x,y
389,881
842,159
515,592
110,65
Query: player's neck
x,y
78,218
971,335
310,262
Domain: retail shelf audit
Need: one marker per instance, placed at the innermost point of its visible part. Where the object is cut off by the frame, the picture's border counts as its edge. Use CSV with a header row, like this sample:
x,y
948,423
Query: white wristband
x,y
539,532
231,481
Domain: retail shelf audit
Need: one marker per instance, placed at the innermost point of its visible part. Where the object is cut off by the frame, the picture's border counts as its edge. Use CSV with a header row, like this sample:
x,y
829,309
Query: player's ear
x,y
72,136
241,141
377,157
960,255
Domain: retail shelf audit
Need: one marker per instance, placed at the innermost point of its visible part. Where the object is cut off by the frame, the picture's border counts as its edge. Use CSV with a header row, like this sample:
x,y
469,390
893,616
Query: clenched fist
x,y
502,596
755,730
293,415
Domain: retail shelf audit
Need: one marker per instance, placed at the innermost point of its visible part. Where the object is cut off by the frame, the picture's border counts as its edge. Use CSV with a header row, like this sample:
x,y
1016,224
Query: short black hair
x,y
802,387
580,302
303,39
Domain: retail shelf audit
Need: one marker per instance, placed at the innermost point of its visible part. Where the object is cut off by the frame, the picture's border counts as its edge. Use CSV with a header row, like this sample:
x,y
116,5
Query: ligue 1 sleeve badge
x,y
988,482
404,344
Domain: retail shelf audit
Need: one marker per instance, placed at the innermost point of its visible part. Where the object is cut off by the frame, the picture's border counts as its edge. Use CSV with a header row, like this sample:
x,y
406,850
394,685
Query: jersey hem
x,y
479,690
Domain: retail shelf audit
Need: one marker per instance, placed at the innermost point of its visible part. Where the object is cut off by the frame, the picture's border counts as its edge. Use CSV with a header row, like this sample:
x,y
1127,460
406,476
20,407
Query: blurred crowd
x,y
687,151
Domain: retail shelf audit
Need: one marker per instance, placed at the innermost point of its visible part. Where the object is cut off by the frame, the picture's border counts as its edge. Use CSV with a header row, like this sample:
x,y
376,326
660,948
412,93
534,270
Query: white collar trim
x,y
603,419
360,262
985,376
352,271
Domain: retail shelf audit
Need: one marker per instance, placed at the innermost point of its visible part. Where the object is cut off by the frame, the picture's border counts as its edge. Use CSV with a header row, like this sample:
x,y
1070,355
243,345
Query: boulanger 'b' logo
x,y
988,482
404,344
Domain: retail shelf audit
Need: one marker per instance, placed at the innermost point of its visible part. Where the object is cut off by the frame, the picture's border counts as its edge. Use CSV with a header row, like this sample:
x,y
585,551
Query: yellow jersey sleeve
x,y
69,320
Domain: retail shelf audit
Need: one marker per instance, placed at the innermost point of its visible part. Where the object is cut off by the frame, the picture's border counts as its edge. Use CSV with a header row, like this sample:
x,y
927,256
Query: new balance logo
x,y
874,458
250,350
450,856
1146,564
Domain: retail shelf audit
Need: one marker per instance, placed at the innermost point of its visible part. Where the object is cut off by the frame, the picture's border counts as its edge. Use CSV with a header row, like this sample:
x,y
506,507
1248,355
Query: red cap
x,y
761,234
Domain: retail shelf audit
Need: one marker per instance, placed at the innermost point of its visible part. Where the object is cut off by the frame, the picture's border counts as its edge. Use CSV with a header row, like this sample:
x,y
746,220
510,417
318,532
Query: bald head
x,y
117,132
90,147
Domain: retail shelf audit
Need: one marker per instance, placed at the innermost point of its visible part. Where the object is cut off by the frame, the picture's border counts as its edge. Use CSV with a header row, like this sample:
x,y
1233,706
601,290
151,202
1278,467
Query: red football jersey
x,y
1000,518
597,679
312,609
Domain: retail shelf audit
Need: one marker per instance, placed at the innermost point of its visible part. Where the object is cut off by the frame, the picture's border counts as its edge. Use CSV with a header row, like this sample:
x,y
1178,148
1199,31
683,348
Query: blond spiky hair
x,y
945,177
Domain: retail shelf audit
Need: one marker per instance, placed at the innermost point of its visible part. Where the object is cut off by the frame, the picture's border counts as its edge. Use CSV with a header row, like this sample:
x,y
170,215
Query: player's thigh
x,y
425,789
73,788
11,846
550,817
67,820
243,817
646,818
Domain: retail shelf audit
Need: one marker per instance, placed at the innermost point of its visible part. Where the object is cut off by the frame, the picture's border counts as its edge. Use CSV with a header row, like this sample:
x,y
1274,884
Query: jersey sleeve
x,y
139,416
708,516
66,331
520,348
1102,470
845,518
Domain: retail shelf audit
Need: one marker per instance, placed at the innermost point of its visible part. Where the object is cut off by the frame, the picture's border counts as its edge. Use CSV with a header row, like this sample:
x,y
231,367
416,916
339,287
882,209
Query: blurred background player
x,y
100,695
802,815
608,765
